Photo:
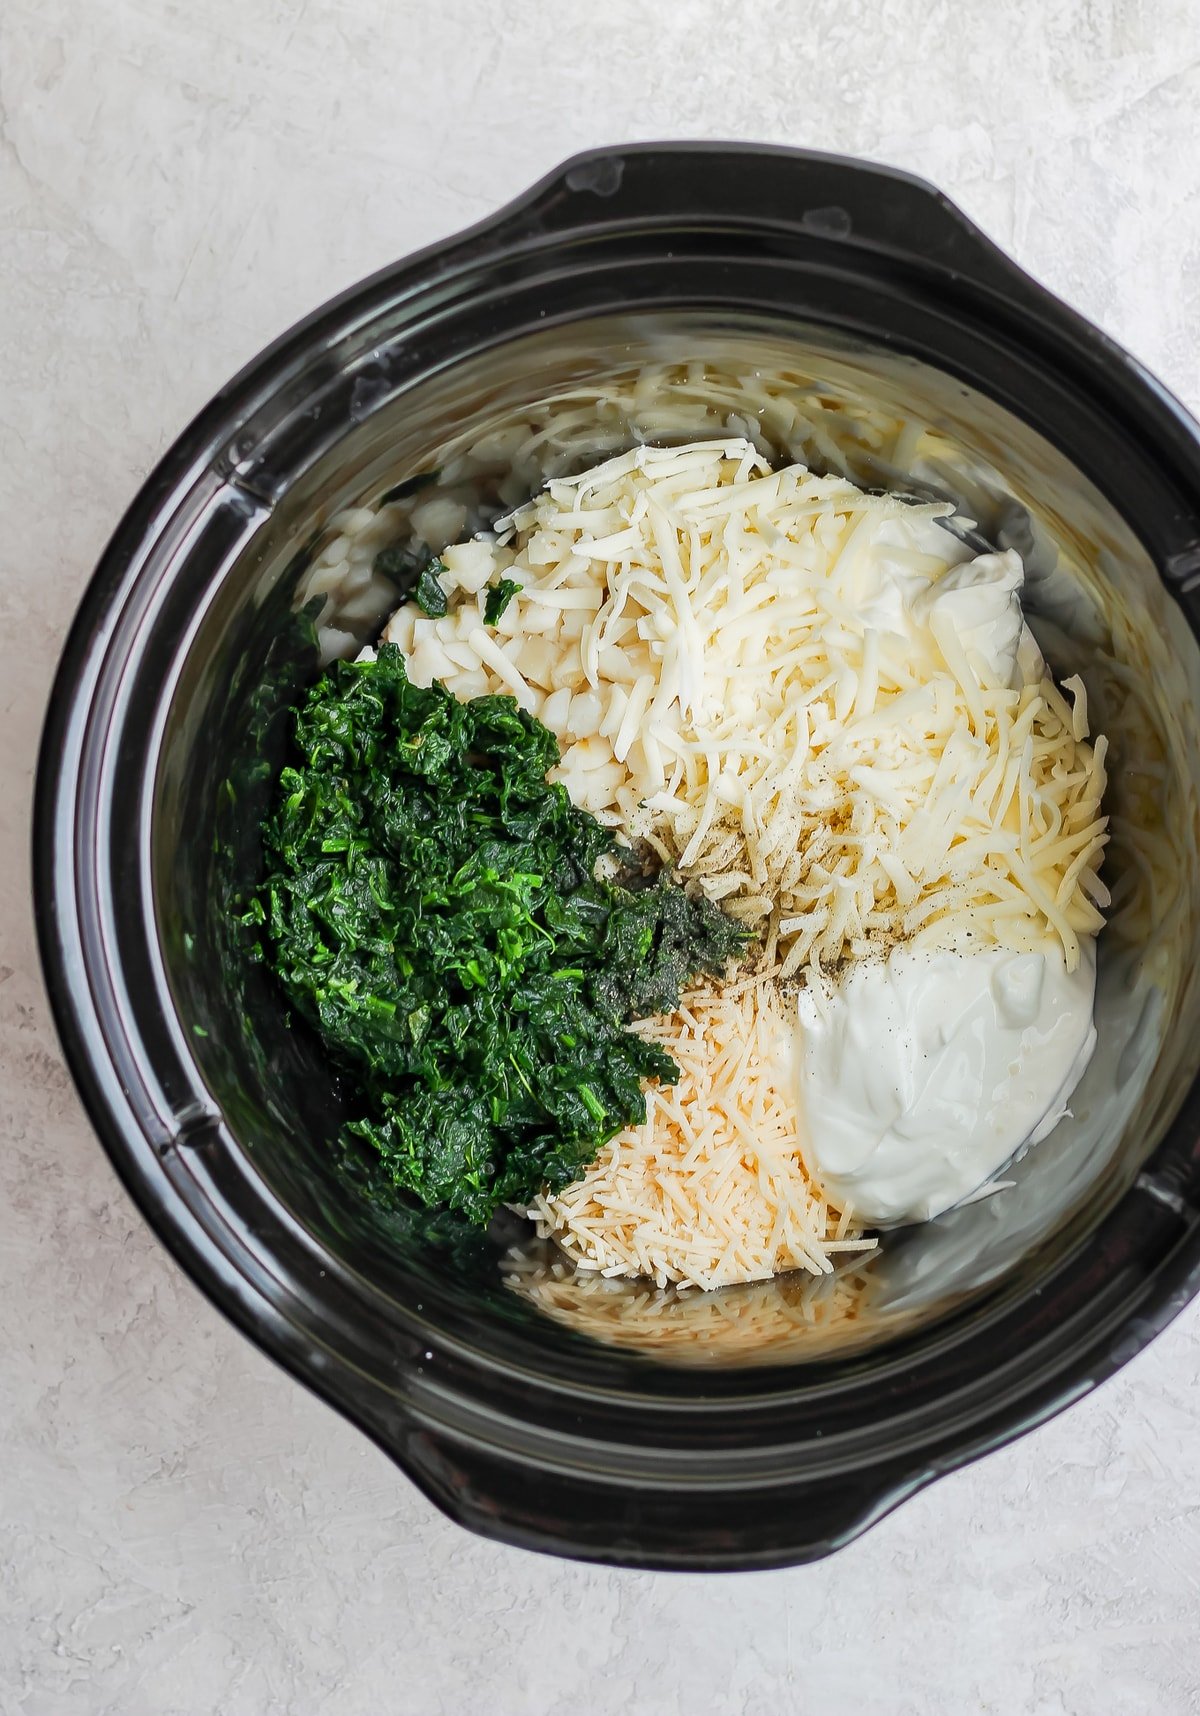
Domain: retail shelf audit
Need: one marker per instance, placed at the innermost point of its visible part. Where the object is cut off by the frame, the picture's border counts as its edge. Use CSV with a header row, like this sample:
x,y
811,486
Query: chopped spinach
x,y
498,598
431,905
415,574
430,595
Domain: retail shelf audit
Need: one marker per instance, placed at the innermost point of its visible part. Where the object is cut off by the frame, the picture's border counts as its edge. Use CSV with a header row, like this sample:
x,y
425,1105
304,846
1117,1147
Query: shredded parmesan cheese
x,y
710,1189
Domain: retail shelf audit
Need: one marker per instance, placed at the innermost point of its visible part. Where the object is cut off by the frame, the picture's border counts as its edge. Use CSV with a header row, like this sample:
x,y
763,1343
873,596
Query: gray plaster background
x,y
182,1529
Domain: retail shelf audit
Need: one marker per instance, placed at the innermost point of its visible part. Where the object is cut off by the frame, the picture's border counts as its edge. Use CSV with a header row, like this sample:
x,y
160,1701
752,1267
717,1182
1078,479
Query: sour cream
x,y
923,1074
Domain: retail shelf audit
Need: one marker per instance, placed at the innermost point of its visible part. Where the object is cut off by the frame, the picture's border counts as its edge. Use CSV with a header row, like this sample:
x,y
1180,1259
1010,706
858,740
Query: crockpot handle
x,y
594,1516
830,199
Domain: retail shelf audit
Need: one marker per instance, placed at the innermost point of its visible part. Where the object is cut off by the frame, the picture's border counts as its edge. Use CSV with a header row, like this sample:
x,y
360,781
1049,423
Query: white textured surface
x,y
183,1529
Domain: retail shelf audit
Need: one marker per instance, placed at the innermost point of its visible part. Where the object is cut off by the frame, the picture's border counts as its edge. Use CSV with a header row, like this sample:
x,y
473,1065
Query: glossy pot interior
x,y
645,294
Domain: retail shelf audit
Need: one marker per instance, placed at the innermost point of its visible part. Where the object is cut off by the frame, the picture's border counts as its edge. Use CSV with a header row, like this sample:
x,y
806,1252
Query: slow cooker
x,y
835,310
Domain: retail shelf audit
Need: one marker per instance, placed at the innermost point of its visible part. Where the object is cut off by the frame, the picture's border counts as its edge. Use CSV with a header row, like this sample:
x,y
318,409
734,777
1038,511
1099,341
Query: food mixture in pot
x,y
705,862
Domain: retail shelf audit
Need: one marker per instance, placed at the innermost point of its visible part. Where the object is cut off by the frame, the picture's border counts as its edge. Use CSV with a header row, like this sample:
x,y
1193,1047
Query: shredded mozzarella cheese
x,y
730,679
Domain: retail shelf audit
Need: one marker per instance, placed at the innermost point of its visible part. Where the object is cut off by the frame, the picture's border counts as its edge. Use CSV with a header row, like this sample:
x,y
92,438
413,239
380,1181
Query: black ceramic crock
x,y
217,1118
